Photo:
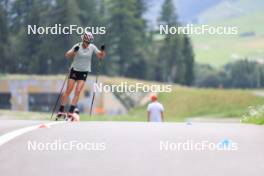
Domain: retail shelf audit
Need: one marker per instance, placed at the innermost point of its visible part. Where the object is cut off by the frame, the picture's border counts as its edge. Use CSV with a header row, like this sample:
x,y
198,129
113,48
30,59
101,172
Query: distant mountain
x,y
205,11
187,10
230,9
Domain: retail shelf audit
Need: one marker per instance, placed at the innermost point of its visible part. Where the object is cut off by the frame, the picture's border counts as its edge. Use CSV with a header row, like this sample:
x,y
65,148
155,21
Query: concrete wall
x,y
23,91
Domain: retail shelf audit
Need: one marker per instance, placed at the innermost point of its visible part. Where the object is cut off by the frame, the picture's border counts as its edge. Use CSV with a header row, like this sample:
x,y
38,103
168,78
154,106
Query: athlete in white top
x,y
82,56
155,111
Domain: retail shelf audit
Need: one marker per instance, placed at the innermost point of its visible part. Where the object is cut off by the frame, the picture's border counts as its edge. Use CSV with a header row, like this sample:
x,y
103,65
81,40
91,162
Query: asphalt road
x,y
130,149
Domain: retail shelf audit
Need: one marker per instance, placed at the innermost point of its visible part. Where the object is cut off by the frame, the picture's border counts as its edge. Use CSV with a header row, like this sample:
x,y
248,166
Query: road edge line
x,y
15,133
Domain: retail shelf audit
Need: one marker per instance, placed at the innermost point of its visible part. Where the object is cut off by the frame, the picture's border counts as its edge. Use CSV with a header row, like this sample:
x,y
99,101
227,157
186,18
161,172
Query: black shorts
x,y
78,75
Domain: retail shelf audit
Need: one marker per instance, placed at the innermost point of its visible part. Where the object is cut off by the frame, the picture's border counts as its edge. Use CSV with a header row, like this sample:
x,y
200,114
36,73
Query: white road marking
x,y
13,134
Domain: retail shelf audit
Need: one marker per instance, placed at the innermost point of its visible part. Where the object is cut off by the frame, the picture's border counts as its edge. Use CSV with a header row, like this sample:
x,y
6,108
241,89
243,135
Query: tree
x,y
189,61
126,29
138,68
176,58
26,46
239,74
65,13
4,39
244,74
207,76
170,57
168,13
88,12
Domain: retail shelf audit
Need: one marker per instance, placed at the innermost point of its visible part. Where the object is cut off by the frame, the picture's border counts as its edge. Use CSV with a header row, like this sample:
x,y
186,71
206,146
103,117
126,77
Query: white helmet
x,y
88,37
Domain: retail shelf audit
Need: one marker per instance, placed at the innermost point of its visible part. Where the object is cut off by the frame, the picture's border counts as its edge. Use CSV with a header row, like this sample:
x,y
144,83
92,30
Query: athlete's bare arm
x,y
72,52
102,53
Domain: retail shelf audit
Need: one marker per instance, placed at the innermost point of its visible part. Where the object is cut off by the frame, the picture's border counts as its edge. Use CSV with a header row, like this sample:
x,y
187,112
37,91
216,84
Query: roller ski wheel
x,y
61,116
70,117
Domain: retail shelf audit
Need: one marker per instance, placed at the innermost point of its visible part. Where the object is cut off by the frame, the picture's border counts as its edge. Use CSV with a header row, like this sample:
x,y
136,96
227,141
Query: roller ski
x,y
63,116
69,116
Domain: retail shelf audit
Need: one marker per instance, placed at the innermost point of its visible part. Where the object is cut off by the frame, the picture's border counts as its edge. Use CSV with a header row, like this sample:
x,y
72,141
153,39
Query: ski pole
x,y
59,96
96,80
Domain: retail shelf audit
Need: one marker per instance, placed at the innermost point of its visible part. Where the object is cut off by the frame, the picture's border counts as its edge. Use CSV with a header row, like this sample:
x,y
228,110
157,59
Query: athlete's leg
x,y
78,90
70,86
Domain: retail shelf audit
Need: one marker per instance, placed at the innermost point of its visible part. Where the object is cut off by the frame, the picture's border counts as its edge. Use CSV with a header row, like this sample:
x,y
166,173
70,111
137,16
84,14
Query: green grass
x,y
22,115
255,120
191,102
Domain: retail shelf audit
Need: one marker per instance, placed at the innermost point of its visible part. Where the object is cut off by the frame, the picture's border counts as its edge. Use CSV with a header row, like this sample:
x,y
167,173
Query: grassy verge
x,y
22,115
255,120
254,115
185,102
